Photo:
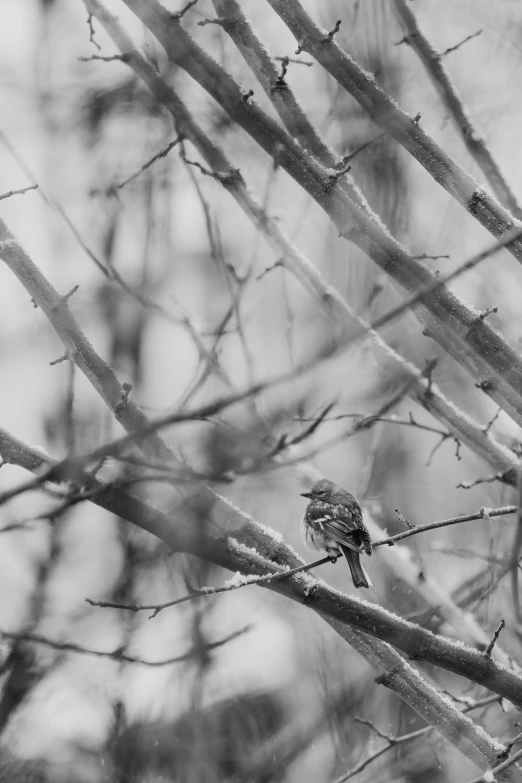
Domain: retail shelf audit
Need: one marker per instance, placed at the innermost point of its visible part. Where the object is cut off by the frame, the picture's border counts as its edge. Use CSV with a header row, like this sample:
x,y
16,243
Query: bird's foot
x,y
333,558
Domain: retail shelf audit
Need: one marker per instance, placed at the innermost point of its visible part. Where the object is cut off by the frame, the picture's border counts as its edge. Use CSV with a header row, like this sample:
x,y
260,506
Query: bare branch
x,y
385,113
108,59
116,655
482,514
162,154
91,32
235,583
344,203
233,550
461,43
469,133
17,192
306,271
180,14
393,741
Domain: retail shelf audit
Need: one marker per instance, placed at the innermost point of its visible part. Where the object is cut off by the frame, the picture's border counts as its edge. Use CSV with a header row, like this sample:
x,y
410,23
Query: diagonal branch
x,y
471,136
426,394
387,115
392,670
252,549
458,328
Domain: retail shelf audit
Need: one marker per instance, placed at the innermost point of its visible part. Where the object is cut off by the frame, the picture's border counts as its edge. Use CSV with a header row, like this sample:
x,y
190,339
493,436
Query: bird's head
x,y
321,490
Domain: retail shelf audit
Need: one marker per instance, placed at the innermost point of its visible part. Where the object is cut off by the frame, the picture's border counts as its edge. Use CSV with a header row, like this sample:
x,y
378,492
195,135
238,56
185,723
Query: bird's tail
x,y
359,576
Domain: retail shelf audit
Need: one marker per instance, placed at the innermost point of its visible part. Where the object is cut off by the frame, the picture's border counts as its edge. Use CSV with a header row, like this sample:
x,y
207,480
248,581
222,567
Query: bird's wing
x,y
338,522
343,533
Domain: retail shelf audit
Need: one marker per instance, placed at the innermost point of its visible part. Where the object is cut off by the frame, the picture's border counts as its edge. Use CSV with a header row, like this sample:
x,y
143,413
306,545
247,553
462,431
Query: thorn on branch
x,y
91,32
405,40
332,178
217,20
329,38
428,373
280,83
487,312
404,521
64,299
293,60
457,46
124,398
386,678
504,754
493,420
489,648
180,14
59,361
21,191
416,119
485,385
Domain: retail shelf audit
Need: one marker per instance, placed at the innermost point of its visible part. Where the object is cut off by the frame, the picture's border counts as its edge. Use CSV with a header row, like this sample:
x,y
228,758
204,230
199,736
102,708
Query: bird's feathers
x,y
342,523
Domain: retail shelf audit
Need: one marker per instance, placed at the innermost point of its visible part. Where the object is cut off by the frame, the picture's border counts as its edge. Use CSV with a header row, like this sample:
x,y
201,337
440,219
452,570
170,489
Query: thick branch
x,y
392,670
469,339
386,113
239,548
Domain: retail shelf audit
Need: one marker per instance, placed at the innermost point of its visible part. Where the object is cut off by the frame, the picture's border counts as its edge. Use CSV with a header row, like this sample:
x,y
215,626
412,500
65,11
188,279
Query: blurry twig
x,y
490,775
461,43
235,584
469,132
149,163
116,655
17,192
394,741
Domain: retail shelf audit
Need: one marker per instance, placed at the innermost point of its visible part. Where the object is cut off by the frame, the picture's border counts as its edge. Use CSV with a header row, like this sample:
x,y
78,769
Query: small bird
x,y
333,522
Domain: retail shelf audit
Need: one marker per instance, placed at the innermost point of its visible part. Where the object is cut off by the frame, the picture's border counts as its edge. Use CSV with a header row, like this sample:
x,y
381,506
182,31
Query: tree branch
x,y
473,140
240,548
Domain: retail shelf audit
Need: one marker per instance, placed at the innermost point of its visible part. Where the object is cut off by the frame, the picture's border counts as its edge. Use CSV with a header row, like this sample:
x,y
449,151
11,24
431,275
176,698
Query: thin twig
x,y
461,43
162,154
482,514
394,741
116,655
17,192
243,581
490,646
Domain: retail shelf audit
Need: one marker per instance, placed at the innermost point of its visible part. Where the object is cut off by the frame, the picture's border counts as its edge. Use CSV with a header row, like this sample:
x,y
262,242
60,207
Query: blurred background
x,y
201,308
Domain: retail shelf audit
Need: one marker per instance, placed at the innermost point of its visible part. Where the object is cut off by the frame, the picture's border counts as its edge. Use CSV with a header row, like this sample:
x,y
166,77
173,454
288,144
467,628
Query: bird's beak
x,y
306,494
